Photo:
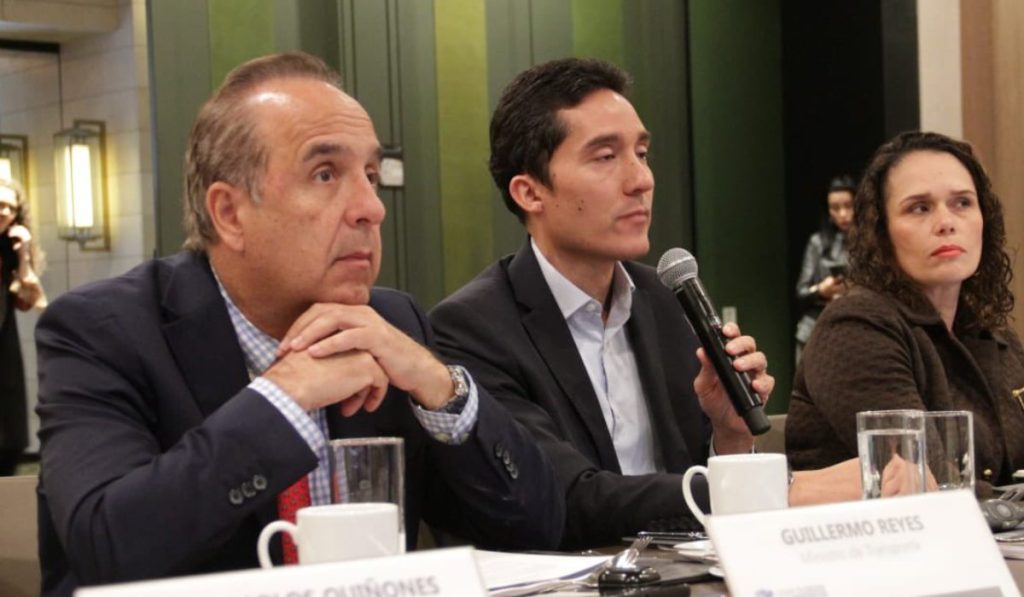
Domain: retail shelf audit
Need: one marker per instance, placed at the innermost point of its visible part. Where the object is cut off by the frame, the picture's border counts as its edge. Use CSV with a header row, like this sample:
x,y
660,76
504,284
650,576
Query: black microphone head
x,y
676,266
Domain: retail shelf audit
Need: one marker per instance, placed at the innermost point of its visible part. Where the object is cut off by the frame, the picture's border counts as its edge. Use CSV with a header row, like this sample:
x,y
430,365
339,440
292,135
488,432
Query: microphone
x,y
677,269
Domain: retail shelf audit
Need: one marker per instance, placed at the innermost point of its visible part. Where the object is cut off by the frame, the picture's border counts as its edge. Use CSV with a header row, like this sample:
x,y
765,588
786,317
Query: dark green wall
x,y
463,115
735,57
179,56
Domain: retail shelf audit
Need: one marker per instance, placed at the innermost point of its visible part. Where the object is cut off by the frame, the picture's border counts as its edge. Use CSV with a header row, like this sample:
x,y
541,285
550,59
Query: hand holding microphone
x,y
677,269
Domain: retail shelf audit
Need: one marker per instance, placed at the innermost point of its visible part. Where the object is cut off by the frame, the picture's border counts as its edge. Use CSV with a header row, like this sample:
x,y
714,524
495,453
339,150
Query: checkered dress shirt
x,y
259,350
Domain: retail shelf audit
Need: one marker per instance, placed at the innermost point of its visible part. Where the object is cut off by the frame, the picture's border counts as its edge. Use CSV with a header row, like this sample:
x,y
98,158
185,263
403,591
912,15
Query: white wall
x,y
938,45
102,77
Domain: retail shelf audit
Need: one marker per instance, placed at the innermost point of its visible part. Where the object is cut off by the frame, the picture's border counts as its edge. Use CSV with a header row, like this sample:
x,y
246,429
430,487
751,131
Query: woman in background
x,y
823,273
925,325
19,289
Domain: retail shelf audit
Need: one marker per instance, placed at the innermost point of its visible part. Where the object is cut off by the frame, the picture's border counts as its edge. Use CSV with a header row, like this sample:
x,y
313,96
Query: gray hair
x,y
223,144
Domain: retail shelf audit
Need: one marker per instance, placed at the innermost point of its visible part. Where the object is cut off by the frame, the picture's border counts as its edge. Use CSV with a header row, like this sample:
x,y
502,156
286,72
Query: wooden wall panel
x,y
992,36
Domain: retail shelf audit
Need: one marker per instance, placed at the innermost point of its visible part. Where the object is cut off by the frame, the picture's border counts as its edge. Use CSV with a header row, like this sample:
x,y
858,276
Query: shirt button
x,y
498,449
259,482
248,490
987,473
235,496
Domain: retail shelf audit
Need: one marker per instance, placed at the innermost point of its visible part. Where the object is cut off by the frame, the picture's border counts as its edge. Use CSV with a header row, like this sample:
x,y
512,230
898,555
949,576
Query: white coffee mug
x,y
741,483
337,532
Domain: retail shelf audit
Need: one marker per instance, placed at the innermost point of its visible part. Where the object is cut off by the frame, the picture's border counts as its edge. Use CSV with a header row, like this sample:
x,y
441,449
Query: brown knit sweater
x,y
871,352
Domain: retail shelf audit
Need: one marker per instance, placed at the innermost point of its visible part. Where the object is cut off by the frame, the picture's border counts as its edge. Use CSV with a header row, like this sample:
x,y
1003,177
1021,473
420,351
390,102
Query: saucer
x,y
697,551
700,548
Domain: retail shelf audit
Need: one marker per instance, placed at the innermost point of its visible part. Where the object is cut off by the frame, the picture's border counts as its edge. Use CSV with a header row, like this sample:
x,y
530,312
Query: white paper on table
x,y
499,569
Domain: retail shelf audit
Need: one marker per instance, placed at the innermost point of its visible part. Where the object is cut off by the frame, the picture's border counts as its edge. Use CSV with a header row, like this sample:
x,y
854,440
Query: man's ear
x,y
225,204
528,193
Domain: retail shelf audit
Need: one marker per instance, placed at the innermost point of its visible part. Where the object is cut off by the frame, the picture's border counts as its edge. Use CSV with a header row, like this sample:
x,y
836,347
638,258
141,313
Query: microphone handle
x,y
708,328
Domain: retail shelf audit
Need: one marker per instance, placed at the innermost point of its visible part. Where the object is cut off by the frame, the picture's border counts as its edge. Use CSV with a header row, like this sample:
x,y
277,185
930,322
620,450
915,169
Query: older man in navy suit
x,y
185,402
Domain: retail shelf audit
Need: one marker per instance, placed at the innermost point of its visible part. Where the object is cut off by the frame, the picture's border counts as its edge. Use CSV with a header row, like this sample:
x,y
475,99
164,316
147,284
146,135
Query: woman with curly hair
x,y
925,326
19,289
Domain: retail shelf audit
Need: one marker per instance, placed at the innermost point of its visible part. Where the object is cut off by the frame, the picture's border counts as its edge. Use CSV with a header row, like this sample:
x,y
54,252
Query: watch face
x,y
459,380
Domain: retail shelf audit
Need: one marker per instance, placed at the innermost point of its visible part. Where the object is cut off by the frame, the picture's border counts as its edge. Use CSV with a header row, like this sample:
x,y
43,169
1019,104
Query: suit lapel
x,y
551,337
642,330
198,331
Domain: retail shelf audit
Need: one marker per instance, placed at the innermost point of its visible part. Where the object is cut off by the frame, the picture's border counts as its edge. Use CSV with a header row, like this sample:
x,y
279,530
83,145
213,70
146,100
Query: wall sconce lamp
x,y
13,158
79,165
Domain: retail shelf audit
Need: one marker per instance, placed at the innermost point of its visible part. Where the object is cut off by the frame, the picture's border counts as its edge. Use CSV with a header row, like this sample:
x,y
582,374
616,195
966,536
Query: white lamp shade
x,y
12,158
78,162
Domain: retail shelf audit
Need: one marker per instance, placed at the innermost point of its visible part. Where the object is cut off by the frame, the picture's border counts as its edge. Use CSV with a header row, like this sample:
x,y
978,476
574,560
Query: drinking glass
x,y
891,445
369,469
949,435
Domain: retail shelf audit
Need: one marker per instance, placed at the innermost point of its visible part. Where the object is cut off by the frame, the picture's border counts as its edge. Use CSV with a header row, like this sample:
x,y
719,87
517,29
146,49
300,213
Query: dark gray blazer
x,y
148,436
506,328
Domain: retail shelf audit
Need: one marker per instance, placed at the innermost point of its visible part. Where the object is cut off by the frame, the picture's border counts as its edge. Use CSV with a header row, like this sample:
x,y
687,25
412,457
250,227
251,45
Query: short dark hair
x,y
224,145
525,128
843,182
828,230
986,295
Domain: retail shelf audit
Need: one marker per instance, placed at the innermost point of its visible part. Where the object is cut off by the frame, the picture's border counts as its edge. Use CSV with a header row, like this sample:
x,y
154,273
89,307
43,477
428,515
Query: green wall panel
x,y
510,50
738,171
463,117
239,30
308,25
179,56
418,110
597,30
657,58
550,34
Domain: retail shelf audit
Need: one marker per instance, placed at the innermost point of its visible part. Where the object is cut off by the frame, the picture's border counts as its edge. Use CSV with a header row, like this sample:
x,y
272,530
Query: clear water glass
x,y
949,435
891,445
369,469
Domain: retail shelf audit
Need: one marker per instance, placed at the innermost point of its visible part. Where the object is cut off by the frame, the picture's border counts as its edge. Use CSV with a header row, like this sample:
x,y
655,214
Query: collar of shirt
x,y
258,347
571,299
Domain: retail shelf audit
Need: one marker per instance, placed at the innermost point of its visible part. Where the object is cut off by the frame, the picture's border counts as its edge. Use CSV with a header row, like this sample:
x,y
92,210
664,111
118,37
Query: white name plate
x,y
438,572
930,544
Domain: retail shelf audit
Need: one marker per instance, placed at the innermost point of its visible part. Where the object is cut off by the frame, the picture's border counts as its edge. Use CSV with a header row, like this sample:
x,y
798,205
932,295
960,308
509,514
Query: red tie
x,y
288,503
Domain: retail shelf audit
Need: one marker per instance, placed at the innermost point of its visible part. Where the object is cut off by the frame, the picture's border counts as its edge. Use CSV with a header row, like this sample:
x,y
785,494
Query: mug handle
x,y
263,544
687,493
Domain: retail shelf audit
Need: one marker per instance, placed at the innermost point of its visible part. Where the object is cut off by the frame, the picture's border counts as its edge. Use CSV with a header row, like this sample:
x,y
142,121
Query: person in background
x,y
188,402
20,289
925,325
586,347
823,273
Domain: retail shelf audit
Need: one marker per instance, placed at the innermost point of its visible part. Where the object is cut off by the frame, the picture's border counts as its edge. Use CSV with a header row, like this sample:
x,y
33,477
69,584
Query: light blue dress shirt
x,y
610,363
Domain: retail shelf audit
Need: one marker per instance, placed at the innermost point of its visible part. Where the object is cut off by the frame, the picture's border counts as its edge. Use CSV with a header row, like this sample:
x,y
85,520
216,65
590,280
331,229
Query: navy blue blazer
x,y
150,437
507,329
